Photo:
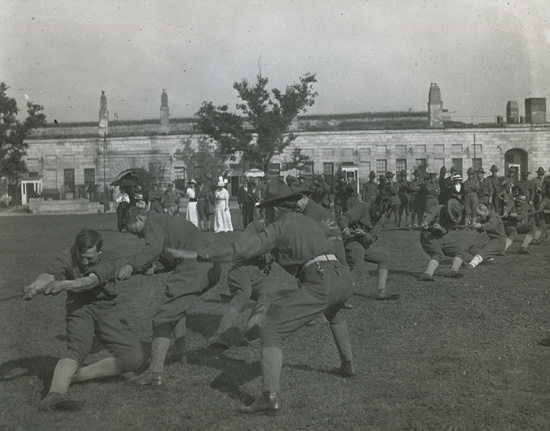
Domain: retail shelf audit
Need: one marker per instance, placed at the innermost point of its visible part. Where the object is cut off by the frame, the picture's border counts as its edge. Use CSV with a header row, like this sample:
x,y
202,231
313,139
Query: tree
x,y
199,161
298,161
13,133
262,131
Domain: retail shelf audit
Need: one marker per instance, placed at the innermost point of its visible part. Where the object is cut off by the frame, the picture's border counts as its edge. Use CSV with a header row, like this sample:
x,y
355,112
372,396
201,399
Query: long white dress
x,y
191,213
222,216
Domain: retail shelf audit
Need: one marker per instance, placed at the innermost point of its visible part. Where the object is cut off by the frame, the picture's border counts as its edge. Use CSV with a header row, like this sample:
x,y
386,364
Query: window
x,y
51,160
179,172
401,165
457,164
68,180
68,159
364,154
328,172
381,149
439,148
50,179
327,152
400,149
347,154
477,163
89,178
381,166
420,148
457,148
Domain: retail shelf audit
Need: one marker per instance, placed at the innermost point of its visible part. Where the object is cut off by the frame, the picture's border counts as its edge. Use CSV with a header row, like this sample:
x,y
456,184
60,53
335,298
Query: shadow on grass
x,y
234,372
39,366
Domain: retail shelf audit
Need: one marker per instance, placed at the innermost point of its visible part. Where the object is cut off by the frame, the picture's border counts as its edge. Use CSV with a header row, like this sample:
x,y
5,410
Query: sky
x,y
368,55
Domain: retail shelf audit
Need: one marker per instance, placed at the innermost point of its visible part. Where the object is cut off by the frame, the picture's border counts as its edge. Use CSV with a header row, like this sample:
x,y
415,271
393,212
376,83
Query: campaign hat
x,y
541,171
372,174
278,191
494,168
480,170
455,209
470,171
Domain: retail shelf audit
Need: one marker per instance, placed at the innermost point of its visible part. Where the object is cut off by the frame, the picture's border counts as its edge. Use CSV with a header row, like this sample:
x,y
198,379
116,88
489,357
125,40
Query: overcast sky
x,y
373,55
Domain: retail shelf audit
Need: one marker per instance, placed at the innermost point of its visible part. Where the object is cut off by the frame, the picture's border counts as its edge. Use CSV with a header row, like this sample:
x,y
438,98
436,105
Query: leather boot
x,y
265,404
345,369
55,401
148,378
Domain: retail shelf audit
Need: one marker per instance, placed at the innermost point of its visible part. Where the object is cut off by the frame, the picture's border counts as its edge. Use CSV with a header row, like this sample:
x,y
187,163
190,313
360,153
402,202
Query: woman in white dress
x,y
191,213
222,216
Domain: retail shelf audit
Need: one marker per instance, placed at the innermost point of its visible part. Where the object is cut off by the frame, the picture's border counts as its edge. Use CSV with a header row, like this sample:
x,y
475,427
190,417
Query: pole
x,y
474,150
104,151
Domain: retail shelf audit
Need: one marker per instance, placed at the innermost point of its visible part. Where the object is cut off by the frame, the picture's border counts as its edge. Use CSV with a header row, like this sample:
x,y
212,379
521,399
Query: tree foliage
x,y
297,161
205,156
262,131
13,133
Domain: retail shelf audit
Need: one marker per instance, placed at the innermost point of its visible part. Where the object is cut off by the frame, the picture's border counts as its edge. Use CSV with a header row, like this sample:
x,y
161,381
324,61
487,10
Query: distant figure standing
x,y
369,191
321,192
170,201
123,205
191,213
222,216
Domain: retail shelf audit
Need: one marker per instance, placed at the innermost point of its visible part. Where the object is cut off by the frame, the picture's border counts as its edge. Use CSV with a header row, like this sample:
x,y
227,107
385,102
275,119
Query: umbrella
x,y
124,182
253,173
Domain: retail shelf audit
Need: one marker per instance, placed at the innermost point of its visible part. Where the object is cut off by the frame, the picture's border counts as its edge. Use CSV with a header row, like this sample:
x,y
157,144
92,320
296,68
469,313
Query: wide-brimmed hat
x,y
303,188
192,181
389,174
455,209
373,174
453,169
541,171
480,171
222,182
525,173
494,168
470,171
456,177
276,192
382,178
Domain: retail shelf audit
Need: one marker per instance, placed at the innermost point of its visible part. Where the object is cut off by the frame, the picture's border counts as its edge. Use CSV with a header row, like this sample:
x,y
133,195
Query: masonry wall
x,y
368,150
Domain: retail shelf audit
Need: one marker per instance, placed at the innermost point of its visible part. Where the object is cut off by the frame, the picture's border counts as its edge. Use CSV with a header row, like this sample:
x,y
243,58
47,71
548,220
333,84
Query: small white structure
x,y
28,188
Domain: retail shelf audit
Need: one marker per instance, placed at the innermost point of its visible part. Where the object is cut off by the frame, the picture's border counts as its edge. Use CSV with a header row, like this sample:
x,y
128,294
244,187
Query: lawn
x,y
451,355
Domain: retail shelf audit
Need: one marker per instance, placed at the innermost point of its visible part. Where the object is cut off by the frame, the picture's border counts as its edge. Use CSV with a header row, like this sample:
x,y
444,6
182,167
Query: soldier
x,y
302,249
431,192
205,203
441,181
434,239
170,200
417,200
471,189
516,223
185,283
404,197
495,182
321,192
537,185
485,193
342,191
369,191
490,223
247,279
357,226
506,196
391,191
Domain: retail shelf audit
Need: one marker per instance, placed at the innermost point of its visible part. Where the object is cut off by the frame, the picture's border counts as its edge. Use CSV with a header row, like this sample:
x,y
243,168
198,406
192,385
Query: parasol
x,y
254,173
124,182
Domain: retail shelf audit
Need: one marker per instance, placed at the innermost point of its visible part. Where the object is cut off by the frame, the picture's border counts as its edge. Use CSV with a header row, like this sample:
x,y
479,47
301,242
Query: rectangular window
x,y
381,166
68,159
50,160
179,172
50,179
420,148
400,149
328,152
32,164
308,153
347,154
401,165
364,154
456,148
328,172
68,180
439,148
89,178
477,163
457,164
380,149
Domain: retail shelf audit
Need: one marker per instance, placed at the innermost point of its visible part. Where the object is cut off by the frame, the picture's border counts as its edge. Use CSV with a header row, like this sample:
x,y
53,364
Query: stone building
x,y
73,159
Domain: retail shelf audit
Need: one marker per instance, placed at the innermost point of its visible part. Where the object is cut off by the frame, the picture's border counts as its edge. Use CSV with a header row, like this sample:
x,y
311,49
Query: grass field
x,y
452,355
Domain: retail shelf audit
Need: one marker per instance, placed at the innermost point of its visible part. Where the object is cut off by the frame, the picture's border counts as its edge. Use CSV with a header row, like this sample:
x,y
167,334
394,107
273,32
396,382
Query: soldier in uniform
x,y
342,191
404,197
485,193
391,192
434,239
490,223
516,222
301,248
471,189
495,182
369,191
247,279
431,192
185,283
321,192
537,185
357,226
417,200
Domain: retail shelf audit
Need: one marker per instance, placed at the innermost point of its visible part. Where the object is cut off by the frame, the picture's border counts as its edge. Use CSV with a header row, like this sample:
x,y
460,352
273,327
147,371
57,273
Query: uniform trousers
x,y
430,202
513,231
470,204
104,319
440,246
357,254
323,288
484,200
247,281
184,285
493,248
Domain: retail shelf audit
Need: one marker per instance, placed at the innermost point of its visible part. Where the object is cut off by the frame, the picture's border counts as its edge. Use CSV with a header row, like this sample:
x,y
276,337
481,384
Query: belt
x,y
321,258
192,200
334,238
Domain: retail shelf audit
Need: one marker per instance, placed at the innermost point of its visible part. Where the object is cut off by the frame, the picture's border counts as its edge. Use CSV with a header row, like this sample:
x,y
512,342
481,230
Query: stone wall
x,y
367,149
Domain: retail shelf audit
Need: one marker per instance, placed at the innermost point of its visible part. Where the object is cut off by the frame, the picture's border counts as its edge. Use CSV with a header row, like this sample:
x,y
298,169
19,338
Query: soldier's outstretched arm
x,y
37,286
